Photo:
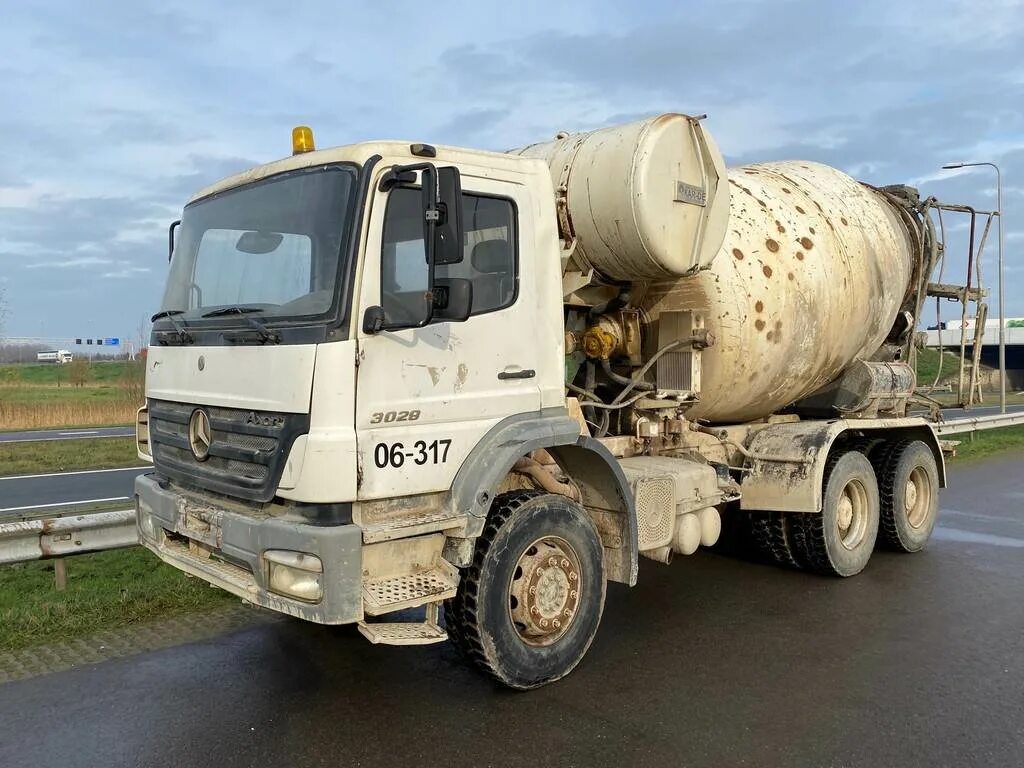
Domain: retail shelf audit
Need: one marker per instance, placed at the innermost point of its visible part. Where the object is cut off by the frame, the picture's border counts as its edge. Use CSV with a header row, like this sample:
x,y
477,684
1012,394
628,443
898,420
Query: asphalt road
x,y
40,435
919,661
979,410
26,494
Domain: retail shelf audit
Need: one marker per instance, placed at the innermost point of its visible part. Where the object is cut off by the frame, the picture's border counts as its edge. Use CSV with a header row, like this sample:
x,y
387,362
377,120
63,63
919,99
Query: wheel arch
x,y
796,486
602,483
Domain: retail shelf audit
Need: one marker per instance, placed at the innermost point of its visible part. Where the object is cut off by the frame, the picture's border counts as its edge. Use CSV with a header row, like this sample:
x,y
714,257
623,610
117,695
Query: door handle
x,y
528,373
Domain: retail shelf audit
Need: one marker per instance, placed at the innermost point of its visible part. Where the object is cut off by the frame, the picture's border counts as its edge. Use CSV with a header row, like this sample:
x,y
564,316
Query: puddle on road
x,y
942,533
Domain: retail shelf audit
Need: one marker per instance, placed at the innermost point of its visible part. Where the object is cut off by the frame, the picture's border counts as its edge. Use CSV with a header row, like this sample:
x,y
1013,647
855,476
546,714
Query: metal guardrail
x,y
25,540
975,423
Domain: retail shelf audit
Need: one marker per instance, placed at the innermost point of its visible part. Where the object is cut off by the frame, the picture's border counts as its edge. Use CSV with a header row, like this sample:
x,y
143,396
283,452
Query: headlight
x,y
295,574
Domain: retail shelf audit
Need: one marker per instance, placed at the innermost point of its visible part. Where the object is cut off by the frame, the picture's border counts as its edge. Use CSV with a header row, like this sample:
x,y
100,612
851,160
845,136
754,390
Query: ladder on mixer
x,y
971,296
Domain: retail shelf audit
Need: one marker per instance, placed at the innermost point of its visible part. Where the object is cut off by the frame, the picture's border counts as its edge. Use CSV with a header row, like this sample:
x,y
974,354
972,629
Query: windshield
x,y
271,248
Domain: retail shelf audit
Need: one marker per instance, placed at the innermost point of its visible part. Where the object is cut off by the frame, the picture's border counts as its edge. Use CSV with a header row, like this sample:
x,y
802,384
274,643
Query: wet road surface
x,y
91,433
708,662
28,494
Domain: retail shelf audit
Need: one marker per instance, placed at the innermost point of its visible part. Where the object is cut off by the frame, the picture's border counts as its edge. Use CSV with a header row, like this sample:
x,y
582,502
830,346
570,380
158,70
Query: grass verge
x,y
988,442
67,455
104,591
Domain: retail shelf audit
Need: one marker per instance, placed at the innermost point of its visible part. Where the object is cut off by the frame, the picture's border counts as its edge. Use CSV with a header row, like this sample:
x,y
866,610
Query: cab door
x,y
425,396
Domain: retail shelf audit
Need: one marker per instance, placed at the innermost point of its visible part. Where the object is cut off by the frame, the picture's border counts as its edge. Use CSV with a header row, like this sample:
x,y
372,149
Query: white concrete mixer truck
x,y
391,381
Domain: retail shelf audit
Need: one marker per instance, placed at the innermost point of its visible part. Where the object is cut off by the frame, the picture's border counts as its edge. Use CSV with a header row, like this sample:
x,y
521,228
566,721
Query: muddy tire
x,y
908,488
529,605
772,536
839,541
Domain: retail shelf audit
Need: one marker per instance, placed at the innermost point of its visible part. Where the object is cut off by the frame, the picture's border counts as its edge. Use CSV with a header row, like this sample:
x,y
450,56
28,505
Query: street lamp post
x,y
1002,319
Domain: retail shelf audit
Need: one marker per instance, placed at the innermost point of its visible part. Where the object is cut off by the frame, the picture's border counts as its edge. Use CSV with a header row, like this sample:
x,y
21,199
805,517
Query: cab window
x,y
489,256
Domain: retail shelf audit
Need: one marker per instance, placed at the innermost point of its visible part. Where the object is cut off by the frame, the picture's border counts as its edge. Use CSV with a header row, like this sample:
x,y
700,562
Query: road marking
x,y
82,432
79,472
63,504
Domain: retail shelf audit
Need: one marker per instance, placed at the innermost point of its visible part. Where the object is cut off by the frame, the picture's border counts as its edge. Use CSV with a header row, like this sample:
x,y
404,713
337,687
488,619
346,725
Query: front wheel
x,y
529,606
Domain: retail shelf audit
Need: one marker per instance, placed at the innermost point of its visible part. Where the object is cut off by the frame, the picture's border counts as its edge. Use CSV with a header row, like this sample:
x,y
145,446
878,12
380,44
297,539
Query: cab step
x,y
406,632
395,593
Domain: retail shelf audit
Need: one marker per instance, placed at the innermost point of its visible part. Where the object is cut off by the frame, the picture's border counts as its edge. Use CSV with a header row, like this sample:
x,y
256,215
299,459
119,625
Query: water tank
x,y
646,200
810,277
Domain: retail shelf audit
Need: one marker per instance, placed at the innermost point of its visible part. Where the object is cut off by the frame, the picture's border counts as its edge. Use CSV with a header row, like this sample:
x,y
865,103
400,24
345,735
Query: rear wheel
x,y
908,486
840,539
773,537
529,605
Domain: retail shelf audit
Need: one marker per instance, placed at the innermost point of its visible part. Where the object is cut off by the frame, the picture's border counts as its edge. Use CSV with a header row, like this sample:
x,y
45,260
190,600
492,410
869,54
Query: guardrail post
x,y
60,574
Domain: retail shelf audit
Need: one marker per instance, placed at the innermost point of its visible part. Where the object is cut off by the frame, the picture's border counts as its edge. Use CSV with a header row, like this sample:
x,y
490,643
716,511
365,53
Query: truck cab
x,y
334,347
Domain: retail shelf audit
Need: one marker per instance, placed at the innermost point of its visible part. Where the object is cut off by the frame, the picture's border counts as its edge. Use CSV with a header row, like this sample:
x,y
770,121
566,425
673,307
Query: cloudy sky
x,y
111,117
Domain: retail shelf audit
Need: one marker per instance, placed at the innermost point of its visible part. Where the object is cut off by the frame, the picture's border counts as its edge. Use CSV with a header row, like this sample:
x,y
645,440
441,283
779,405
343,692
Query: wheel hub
x,y
917,498
852,515
544,593
910,495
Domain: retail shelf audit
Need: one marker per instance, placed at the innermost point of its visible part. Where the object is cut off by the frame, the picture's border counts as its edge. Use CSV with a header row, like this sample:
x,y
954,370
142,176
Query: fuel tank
x,y
810,277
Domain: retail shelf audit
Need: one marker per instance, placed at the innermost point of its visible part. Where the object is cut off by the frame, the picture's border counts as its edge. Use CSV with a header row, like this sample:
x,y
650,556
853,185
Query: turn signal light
x,y
302,139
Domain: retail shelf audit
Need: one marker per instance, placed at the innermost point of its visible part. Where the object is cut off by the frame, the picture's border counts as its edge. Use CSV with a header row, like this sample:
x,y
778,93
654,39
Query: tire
x,y
509,615
839,541
908,489
773,538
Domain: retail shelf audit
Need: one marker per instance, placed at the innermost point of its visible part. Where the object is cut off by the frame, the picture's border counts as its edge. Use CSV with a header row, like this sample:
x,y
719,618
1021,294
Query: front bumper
x,y
242,539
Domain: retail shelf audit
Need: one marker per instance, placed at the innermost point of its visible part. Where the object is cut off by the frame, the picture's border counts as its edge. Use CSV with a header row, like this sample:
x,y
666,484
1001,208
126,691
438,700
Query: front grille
x,y
247,451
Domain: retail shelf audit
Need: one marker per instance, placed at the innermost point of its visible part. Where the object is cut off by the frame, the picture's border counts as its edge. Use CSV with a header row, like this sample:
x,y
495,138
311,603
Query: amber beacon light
x,y
302,139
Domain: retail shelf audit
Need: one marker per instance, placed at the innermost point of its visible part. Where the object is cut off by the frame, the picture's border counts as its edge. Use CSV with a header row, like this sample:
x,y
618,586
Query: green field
x,y
988,442
928,366
37,396
67,455
105,590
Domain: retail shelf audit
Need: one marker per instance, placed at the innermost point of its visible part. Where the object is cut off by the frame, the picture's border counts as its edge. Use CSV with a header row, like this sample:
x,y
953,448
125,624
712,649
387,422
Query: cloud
x,y
125,272
79,261
117,125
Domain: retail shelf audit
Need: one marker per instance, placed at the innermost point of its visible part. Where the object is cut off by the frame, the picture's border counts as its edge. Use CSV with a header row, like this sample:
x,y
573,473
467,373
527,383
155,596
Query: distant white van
x,y
59,356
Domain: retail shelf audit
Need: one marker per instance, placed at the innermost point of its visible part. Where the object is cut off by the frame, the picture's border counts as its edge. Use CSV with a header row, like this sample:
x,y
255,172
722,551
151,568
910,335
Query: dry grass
x,y
41,396
43,415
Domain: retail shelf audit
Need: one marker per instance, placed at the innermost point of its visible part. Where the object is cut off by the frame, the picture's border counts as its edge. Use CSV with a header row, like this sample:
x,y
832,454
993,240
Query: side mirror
x,y
448,235
453,299
170,239
373,320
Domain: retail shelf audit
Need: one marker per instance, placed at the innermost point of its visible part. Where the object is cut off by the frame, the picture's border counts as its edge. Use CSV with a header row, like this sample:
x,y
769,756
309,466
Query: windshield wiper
x,y
263,334
182,336
235,310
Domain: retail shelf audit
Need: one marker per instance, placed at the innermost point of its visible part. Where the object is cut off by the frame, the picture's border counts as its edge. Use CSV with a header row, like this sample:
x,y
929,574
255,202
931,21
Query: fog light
x,y
146,526
295,574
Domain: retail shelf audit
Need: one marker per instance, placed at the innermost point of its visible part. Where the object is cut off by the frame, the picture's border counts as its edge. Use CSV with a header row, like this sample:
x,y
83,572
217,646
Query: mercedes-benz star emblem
x,y
199,434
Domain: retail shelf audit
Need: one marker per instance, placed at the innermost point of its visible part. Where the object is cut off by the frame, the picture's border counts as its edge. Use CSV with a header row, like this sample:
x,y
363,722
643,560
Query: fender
x,y
795,486
606,493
